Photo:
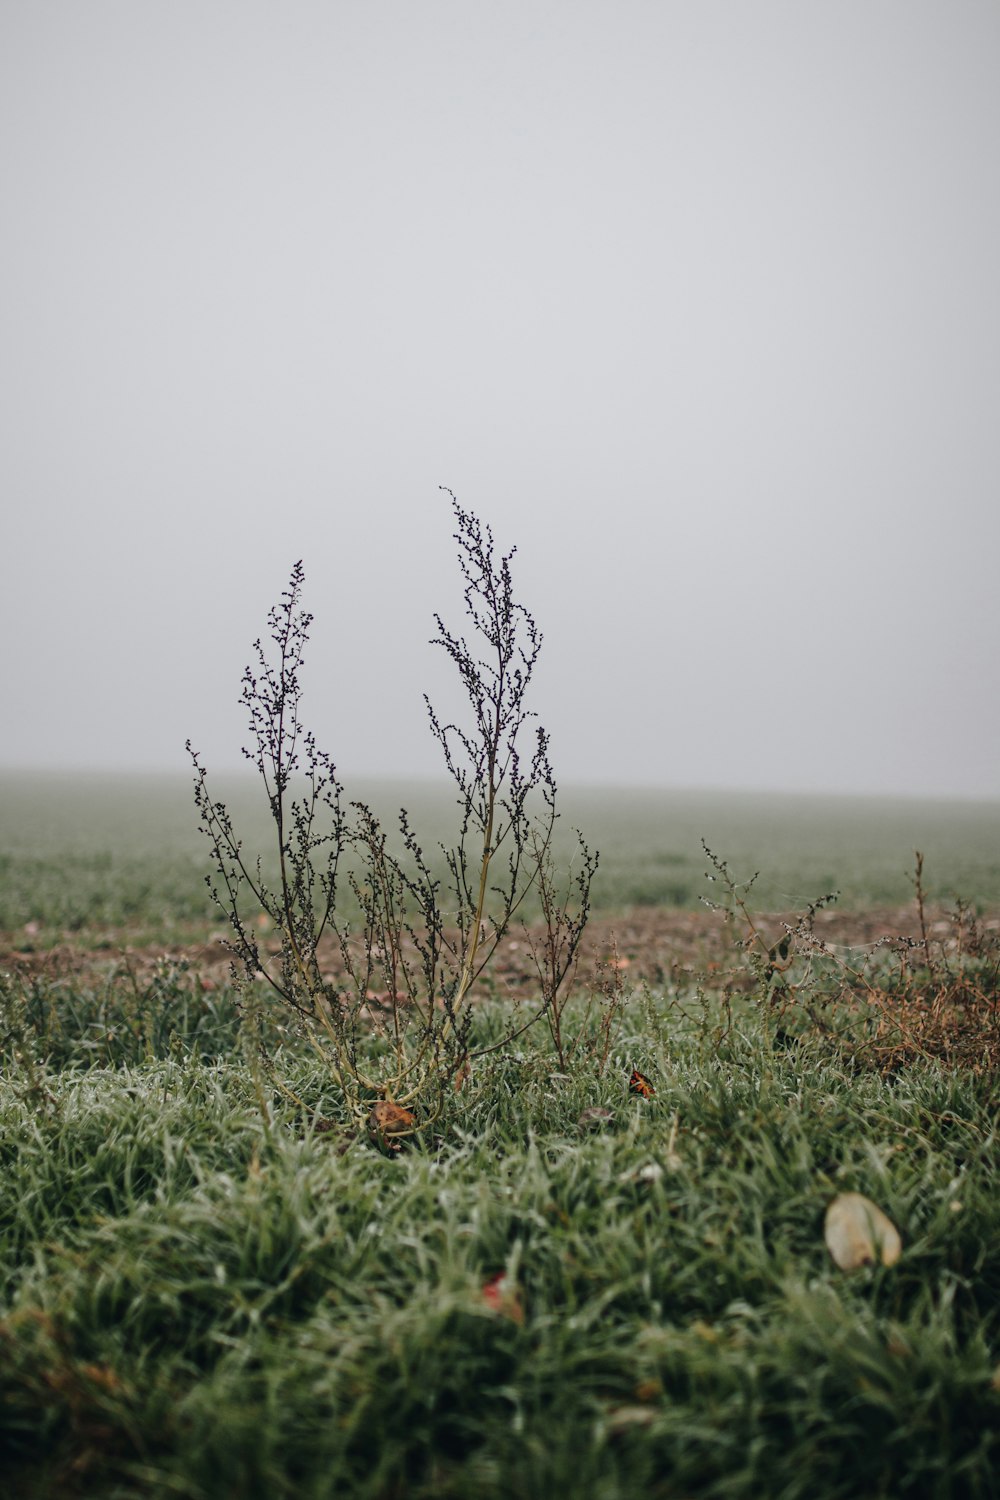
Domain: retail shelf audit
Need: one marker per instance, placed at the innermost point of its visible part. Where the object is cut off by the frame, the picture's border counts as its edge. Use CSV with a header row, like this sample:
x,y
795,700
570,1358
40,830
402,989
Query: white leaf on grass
x,y
621,1418
650,1172
673,1157
858,1233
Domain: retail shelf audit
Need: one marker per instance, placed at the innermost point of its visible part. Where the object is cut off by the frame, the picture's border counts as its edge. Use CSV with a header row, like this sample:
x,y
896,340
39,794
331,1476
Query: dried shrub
x,y
884,1006
403,970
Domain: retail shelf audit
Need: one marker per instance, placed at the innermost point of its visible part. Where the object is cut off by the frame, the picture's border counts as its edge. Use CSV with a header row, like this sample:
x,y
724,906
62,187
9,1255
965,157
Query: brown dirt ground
x,y
648,945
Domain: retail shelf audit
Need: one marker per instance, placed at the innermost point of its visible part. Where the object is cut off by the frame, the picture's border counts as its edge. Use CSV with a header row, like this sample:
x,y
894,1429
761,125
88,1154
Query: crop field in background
x,y
211,1285
88,853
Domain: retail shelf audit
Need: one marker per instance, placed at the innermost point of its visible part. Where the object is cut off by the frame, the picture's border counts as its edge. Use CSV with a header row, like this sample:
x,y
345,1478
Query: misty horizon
x,y
697,307
230,775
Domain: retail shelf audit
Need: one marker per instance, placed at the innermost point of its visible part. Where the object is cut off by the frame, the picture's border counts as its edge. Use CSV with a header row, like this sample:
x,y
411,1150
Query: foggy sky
x,y
697,303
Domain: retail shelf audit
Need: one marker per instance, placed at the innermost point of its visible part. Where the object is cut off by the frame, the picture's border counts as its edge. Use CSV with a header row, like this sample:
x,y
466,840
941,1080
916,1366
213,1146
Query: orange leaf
x,y
640,1084
462,1076
502,1296
387,1120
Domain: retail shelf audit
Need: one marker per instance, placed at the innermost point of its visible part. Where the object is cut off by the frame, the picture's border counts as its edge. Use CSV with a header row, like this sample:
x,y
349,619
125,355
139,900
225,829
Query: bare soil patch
x,y
651,945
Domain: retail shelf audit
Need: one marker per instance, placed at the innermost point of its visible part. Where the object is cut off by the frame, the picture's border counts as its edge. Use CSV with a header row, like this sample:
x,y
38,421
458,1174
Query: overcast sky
x,y
697,303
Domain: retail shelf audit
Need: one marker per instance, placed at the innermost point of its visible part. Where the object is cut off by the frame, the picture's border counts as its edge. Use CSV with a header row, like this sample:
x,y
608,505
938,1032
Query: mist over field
x,y
70,839
695,304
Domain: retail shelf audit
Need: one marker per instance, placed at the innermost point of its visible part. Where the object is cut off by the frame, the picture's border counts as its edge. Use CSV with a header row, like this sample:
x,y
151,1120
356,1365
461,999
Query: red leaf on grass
x,y
502,1295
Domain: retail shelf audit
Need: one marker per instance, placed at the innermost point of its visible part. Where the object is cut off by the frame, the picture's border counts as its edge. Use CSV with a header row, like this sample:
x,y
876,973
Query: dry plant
x,y
770,962
933,999
423,939
609,983
555,952
891,1003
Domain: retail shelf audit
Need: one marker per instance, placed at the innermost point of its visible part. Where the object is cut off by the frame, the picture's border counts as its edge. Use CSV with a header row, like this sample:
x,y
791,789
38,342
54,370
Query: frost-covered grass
x,y
196,1303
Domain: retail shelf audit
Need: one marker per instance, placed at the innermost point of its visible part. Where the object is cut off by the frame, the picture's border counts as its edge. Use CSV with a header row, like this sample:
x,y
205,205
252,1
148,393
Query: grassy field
x,y
85,854
198,1303
207,1289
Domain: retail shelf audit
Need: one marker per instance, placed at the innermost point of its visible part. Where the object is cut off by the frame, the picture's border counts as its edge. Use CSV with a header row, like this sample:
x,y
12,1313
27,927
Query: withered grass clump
x,y
405,966
934,997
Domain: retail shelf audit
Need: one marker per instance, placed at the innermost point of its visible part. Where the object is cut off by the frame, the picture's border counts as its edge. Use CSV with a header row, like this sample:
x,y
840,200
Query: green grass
x,y
194,1304
196,1301
86,855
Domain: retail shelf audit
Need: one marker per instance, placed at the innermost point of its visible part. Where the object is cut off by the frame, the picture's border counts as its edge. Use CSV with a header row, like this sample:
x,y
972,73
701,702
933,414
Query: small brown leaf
x,y
462,1076
101,1376
502,1295
388,1119
648,1390
858,1233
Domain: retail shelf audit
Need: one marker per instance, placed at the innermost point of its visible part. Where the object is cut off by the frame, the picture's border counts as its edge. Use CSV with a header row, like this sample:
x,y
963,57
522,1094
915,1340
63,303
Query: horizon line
x,y
582,784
